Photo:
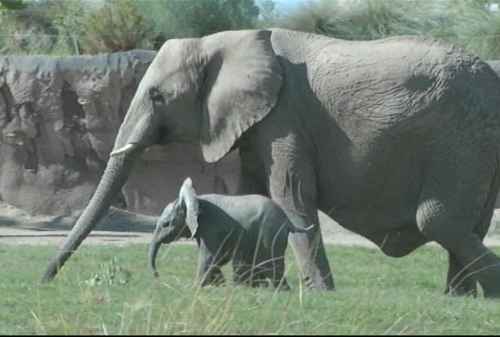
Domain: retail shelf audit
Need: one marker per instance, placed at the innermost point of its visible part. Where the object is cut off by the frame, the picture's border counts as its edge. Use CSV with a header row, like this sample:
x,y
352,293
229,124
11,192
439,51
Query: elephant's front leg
x,y
209,270
292,184
310,253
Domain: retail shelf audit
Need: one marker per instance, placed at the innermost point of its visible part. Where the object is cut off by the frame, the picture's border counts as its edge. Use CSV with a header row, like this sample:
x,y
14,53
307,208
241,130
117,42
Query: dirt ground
x,y
122,228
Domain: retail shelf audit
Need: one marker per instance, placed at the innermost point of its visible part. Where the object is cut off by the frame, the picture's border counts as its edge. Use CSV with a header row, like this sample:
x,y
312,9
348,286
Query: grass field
x,y
108,290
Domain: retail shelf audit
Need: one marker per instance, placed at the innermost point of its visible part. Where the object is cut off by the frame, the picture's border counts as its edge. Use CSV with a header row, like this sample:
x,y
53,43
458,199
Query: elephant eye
x,y
156,95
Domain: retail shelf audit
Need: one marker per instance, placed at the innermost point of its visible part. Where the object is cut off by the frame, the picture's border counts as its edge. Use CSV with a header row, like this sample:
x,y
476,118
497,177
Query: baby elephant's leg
x,y
212,276
250,270
242,273
260,277
210,272
278,274
276,257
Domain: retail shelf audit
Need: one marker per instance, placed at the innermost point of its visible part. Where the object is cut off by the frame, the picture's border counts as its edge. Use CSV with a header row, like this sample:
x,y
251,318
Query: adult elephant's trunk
x,y
115,175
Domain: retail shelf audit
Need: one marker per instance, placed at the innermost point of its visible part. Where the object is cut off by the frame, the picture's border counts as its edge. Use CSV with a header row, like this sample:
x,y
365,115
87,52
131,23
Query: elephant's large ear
x,y
187,196
243,80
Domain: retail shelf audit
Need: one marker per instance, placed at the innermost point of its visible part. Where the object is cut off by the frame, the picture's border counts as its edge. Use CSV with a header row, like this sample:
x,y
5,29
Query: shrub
x,y
25,28
117,25
363,19
195,18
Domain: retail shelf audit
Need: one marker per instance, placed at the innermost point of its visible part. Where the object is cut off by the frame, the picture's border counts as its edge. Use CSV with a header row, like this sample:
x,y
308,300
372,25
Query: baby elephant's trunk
x,y
153,252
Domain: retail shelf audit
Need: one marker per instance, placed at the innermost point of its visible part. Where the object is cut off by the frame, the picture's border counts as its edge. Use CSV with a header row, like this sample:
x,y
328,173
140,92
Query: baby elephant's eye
x,y
156,95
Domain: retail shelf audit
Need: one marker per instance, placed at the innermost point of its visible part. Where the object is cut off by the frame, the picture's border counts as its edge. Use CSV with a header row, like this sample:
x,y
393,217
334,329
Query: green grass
x,y
109,290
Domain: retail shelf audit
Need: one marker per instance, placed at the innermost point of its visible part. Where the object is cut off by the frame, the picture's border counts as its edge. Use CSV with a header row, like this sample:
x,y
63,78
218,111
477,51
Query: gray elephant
x,y
250,230
396,139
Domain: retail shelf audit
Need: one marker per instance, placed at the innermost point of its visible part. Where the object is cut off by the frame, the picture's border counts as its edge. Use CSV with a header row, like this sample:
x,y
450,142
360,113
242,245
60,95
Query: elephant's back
x,y
397,86
384,83
236,203
248,209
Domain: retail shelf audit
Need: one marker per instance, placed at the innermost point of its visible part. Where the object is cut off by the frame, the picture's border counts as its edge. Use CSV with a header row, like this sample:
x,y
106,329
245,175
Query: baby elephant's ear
x,y
187,195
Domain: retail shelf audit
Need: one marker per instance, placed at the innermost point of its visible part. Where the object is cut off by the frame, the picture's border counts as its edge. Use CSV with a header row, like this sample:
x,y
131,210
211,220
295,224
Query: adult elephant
x,y
396,139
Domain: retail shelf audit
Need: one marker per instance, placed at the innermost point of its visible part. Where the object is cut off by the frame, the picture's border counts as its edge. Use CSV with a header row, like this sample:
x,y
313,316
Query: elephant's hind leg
x,y
482,265
278,274
454,210
459,281
470,260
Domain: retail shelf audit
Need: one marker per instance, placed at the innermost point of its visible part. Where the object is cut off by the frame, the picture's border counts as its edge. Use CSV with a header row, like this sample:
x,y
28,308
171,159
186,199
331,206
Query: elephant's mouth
x,y
173,235
168,238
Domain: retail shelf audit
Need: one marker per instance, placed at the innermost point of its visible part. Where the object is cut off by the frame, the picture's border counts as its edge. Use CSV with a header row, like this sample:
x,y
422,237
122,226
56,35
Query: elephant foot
x,y
461,291
313,262
491,287
470,263
282,285
213,278
492,294
459,282
317,282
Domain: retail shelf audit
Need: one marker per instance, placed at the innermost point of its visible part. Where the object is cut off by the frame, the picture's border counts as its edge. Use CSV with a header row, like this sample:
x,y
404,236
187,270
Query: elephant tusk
x,y
126,149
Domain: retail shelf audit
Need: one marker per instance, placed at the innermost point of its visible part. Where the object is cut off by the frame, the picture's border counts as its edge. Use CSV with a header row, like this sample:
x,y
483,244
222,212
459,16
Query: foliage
x,y
91,26
268,14
12,5
84,26
68,18
476,28
194,18
116,25
468,23
376,295
363,19
110,273
45,26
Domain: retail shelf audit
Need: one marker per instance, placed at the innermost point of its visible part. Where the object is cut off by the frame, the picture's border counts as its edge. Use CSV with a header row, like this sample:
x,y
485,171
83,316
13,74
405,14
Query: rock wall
x,y
58,121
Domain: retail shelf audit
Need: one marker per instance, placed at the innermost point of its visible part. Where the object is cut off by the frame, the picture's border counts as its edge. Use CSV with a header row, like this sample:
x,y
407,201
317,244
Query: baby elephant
x,y
251,230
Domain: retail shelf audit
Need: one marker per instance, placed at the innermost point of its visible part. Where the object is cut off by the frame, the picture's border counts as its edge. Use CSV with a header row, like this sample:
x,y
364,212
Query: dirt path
x,y
19,236
122,228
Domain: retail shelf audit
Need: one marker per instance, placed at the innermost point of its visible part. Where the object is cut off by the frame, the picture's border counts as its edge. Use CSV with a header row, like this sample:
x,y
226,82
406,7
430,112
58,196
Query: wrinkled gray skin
x,y
250,230
396,139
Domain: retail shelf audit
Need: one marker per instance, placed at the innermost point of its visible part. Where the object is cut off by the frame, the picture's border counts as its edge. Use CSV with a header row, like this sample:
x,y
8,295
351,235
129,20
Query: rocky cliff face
x,y
58,121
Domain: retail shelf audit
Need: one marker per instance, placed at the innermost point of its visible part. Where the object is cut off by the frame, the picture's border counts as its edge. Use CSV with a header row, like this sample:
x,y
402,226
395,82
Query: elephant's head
x,y
207,91
178,220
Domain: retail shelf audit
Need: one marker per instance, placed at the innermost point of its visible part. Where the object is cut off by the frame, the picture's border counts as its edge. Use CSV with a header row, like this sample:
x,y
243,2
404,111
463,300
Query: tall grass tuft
x,y
470,24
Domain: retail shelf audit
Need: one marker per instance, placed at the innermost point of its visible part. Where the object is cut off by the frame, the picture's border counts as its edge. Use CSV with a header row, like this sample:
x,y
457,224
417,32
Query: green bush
x,y
363,20
117,25
468,23
83,26
25,28
476,29
195,18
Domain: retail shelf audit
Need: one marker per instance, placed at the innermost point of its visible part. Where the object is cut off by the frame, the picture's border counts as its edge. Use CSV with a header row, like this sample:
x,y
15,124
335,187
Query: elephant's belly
x,y
394,231
366,220
377,188
378,204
